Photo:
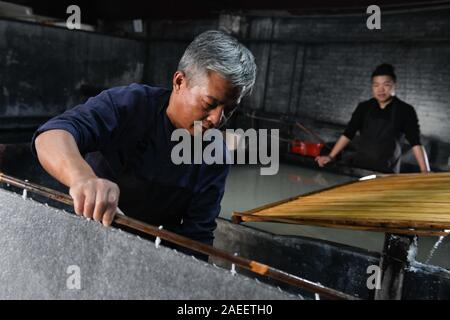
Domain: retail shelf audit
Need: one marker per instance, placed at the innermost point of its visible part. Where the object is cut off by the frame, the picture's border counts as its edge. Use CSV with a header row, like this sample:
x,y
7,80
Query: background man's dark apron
x,y
380,147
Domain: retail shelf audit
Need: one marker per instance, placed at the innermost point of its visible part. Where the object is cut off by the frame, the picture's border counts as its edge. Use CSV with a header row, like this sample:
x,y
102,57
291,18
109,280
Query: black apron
x,y
380,145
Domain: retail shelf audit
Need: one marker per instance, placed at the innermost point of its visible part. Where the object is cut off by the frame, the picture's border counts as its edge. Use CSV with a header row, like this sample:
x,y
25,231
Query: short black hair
x,y
385,69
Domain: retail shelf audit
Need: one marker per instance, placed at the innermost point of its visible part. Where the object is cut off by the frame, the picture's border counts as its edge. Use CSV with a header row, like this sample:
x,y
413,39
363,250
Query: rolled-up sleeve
x,y
355,123
96,123
92,124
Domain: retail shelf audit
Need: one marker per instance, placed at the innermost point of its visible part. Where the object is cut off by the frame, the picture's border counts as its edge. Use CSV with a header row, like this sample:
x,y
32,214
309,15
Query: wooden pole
x,y
311,133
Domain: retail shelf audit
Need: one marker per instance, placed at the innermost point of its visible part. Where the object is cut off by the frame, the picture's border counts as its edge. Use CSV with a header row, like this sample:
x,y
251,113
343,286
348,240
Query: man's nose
x,y
215,115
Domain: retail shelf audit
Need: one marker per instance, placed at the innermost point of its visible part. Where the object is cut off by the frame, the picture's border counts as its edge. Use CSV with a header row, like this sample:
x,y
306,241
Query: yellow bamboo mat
x,y
404,203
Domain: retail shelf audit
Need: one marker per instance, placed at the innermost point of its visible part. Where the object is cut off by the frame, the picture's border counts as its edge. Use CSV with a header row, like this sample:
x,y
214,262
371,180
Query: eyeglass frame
x,y
223,118
226,117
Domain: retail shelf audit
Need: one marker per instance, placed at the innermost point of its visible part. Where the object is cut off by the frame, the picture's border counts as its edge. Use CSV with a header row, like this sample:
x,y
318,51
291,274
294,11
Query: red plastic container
x,y
305,148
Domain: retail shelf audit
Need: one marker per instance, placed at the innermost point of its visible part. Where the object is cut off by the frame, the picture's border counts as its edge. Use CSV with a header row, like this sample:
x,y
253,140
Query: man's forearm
x,y
92,197
421,157
59,155
339,146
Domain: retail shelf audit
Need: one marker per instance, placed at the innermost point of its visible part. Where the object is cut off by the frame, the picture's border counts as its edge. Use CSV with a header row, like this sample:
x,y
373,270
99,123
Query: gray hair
x,y
219,52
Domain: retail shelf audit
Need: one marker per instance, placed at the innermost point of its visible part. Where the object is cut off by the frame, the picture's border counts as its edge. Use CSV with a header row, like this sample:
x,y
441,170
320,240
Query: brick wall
x,y
319,67
315,68
43,69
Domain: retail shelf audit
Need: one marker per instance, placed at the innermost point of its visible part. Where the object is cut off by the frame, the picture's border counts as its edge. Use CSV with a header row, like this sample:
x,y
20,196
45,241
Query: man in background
x,y
382,122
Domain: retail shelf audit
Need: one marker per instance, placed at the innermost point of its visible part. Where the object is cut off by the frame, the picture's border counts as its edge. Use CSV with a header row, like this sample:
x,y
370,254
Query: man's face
x,y
204,99
383,88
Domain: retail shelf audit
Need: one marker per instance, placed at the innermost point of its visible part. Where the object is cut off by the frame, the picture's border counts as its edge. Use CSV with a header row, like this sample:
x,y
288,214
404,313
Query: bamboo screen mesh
x,y
406,203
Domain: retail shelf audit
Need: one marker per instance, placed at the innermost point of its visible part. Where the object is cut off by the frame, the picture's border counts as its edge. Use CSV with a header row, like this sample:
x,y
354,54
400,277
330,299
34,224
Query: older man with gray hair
x,y
114,150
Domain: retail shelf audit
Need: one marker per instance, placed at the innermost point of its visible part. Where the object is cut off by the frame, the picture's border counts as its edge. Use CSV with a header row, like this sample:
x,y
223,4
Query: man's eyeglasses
x,y
227,113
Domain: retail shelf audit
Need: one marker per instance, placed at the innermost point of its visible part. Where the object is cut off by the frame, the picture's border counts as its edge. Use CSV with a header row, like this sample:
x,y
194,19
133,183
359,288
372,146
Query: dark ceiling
x,y
176,9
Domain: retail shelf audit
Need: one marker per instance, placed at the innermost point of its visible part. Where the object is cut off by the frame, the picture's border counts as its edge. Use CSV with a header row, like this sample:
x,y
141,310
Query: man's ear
x,y
179,78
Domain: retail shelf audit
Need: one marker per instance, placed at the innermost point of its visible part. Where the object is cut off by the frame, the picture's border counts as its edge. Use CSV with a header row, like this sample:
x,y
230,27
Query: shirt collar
x,y
163,100
162,104
375,103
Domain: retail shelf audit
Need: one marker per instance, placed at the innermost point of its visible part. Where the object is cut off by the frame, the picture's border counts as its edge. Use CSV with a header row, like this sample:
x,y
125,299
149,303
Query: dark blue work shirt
x,y
124,134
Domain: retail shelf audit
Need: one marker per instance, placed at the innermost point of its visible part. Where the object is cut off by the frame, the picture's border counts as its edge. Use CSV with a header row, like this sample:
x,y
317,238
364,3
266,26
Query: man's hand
x,y
323,160
422,159
95,198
